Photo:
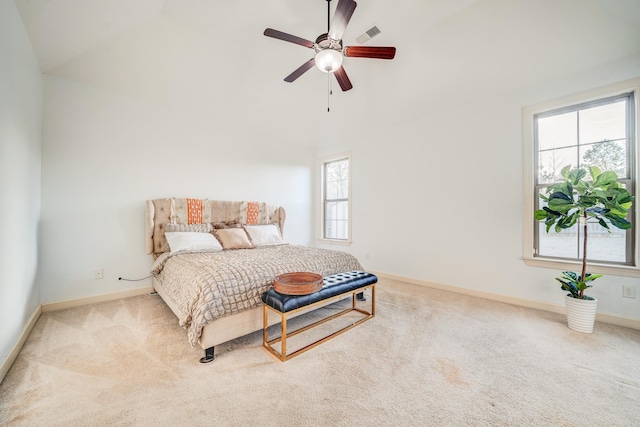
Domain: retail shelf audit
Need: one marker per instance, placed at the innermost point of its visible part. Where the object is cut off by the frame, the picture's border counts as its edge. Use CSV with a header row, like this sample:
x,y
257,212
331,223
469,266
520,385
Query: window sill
x,y
335,242
592,267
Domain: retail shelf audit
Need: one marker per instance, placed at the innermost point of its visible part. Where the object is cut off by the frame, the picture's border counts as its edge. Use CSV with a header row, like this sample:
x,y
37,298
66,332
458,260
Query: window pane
x,y
557,131
604,246
607,155
337,220
602,123
551,162
343,188
337,179
331,190
562,245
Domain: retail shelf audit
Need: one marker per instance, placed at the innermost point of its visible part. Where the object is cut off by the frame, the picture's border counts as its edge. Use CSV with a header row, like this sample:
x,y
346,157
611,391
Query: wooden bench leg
x,y
283,334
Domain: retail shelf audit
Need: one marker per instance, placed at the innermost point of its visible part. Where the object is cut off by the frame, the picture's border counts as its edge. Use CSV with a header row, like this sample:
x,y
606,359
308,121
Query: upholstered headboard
x,y
203,211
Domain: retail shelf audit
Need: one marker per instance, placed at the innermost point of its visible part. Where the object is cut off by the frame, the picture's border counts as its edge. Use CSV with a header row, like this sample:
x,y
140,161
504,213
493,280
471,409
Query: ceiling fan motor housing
x,y
324,42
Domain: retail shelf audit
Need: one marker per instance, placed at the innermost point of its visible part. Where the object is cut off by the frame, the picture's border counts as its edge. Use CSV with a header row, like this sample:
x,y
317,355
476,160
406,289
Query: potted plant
x,y
602,200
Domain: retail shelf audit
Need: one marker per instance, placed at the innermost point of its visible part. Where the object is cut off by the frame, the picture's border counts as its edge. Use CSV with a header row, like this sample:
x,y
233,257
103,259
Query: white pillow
x,y
264,235
192,241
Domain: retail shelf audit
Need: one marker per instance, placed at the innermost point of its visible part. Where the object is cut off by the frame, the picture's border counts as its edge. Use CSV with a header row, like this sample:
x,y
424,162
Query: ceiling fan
x,y
328,46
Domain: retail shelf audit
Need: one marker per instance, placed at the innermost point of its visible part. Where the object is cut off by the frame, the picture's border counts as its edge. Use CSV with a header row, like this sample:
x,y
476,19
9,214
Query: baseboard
x,y
522,302
15,350
61,305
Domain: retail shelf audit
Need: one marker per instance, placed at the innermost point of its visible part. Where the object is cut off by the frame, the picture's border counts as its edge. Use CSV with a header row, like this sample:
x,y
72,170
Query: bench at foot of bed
x,y
334,287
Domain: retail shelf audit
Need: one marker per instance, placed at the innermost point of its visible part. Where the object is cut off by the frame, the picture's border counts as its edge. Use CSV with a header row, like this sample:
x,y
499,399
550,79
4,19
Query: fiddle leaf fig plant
x,y
602,200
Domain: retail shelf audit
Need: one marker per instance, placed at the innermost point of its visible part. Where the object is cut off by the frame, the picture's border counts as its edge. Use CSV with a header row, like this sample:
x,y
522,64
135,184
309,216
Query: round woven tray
x,y
297,283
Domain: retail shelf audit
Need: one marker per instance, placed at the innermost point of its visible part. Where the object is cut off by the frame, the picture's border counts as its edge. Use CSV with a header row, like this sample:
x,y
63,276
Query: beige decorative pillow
x,y
161,240
264,235
192,241
233,238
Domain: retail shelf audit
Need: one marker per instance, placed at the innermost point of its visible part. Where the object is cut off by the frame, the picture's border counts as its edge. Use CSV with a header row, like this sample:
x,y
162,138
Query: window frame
x,y
323,201
530,182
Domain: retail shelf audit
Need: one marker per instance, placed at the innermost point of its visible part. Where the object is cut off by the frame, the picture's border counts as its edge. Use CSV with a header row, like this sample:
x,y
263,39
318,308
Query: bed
x,y
215,292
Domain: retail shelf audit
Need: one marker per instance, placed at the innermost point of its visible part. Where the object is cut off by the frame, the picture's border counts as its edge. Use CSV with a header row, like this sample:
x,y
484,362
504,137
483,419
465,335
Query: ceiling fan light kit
x,y
328,47
328,60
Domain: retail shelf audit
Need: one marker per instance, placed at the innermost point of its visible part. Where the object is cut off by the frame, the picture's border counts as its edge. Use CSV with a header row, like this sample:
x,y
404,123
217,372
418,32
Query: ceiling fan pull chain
x,y
329,92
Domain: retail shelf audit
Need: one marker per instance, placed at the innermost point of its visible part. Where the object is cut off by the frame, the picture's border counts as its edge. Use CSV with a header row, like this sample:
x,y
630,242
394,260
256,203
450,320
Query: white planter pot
x,y
581,313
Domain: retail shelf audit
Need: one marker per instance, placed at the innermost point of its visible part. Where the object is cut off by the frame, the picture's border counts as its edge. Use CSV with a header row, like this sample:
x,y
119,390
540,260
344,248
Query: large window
x,y
335,198
594,129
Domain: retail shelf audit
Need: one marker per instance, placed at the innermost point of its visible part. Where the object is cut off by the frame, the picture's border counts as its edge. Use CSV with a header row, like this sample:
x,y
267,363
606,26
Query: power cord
x,y
134,280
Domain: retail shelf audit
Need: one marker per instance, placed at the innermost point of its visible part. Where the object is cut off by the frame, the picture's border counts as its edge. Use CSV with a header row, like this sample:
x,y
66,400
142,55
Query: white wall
x,y
104,154
20,136
440,198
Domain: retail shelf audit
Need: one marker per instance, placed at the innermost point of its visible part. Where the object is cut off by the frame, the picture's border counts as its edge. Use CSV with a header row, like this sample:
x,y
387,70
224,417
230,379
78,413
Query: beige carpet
x,y
428,358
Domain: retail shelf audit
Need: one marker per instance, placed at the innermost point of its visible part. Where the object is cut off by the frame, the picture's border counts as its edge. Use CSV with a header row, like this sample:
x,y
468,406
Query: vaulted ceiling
x,y
211,57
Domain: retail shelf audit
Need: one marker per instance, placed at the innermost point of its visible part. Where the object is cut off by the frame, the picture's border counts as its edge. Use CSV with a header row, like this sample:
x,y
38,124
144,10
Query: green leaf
x,y
625,200
605,179
565,172
617,211
618,222
625,197
590,277
582,286
561,194
568,221
570,275
551,211
540,214
549,225
580,173
594,171
596,211
569,287
560,204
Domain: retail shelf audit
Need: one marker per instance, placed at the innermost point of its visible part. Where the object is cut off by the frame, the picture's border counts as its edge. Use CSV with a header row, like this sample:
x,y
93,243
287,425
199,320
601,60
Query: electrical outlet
x,y
98,274
629,291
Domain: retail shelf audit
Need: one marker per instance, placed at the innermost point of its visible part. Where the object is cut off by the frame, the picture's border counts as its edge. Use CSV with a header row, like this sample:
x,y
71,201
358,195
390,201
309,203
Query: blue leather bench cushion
x,y
333,285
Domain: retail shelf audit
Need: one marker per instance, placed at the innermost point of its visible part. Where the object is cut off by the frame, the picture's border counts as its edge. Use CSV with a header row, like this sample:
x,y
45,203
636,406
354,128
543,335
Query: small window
x,y
336,189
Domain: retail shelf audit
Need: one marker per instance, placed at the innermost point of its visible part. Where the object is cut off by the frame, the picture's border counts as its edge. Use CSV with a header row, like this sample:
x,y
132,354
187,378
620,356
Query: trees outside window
x,y
336,199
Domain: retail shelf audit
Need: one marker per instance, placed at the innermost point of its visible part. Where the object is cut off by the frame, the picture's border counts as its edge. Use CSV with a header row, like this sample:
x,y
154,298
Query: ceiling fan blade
x,y
378,52
300,71
270,32
343,79
341,18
